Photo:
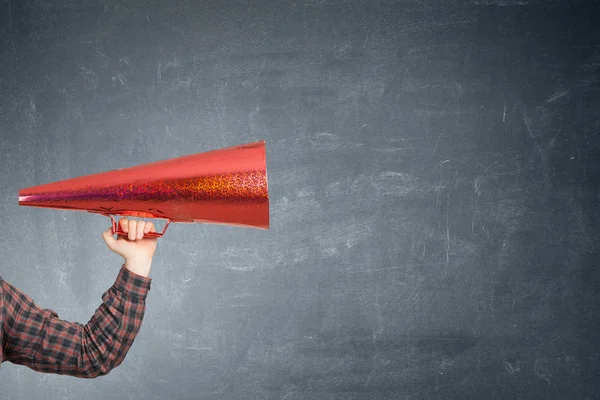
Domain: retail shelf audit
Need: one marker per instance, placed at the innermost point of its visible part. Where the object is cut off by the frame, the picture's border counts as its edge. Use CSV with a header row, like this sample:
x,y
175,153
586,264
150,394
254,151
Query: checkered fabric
x,y
38,339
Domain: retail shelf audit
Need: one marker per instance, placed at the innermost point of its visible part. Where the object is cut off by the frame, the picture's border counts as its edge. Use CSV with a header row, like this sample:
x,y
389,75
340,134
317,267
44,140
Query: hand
x,y
135,249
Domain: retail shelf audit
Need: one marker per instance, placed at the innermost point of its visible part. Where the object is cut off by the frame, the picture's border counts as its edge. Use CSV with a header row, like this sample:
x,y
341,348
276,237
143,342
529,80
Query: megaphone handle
x,y
118,231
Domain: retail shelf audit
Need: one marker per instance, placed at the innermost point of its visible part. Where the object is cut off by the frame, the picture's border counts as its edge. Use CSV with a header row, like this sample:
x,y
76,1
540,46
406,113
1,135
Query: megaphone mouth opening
x,y
267,186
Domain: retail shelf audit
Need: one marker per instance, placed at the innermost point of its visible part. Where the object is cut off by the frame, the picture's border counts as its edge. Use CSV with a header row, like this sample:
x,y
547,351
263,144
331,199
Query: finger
x,y
149,227
108,237
140,229
132,229
124,225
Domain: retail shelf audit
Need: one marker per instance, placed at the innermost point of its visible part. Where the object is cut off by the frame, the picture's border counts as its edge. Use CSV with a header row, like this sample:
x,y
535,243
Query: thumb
x,y
110,241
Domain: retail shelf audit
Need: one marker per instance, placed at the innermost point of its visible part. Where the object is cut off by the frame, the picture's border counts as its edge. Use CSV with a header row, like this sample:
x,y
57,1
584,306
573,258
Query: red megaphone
x,y
226,186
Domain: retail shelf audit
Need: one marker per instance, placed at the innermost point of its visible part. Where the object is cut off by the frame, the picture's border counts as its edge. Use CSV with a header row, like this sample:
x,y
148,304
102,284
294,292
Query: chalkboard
x,y
433,176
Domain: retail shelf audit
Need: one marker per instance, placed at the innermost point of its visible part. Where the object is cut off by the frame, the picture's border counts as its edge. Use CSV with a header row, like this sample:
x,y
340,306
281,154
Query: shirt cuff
x,y
132,284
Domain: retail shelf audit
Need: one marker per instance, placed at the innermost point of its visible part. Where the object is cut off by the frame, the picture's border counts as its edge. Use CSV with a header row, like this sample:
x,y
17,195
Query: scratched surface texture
x,y
434,181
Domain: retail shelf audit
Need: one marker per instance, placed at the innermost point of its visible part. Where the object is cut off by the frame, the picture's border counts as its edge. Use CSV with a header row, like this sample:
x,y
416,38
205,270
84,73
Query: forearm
x,y
45,343
110,333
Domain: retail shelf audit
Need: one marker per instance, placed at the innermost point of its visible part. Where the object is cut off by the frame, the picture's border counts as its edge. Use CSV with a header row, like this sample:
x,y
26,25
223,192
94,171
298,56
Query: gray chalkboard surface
x,y
433,174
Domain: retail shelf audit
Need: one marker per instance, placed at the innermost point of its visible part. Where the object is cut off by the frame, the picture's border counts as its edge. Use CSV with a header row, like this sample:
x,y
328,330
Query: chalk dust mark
x,y
557,96
541,369
217,120
407,266
428,26
121,79
527,120
447,236
325,140
437,143
500,3
394,149
11,39
440,186
512,368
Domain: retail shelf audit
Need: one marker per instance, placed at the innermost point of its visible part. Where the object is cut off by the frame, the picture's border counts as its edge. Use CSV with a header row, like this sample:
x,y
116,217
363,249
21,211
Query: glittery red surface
x,y
226,186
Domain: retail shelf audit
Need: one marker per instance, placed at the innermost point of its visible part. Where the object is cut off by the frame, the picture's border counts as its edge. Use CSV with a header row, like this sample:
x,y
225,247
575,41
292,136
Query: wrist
x,y
140,266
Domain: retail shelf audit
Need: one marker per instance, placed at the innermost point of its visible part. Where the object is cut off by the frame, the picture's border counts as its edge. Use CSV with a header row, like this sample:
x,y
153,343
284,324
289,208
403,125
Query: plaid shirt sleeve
x,y
38,339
